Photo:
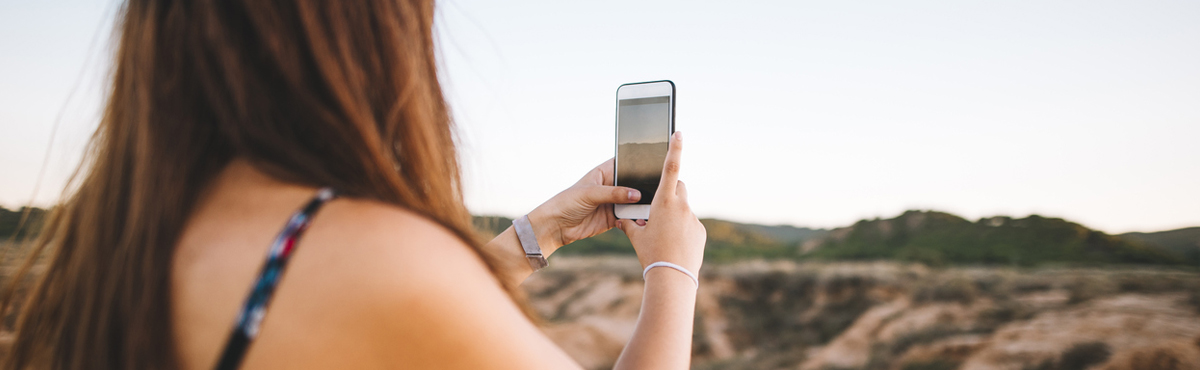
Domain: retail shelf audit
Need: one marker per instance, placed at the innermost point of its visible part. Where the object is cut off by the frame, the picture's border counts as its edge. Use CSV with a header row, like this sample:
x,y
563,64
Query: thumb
x,y
602,194
630,227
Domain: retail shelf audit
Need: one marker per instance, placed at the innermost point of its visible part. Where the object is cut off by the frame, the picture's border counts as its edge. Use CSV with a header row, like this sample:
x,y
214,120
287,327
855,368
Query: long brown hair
x,y
321,93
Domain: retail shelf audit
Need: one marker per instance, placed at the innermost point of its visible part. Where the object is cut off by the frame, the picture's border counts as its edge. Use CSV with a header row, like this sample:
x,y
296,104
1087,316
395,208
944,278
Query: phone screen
x,y
643,128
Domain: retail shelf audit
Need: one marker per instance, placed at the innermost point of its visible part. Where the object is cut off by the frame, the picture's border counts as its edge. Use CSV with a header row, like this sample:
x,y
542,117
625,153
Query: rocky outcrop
x,y
786,315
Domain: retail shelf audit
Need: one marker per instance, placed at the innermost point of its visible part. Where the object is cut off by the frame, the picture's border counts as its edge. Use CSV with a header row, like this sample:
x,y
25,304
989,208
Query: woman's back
x,y
358,292
222,120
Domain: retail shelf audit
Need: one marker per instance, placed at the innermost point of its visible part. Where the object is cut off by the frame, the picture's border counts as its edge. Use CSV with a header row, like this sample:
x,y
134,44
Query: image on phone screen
x,y
643,126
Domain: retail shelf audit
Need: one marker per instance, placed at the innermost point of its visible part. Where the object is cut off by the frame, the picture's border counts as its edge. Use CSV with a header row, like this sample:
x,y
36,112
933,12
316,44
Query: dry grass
x,y
779,314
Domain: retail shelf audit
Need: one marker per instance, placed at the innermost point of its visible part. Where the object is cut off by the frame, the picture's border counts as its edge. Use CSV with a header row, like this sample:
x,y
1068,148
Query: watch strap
x,y
529,243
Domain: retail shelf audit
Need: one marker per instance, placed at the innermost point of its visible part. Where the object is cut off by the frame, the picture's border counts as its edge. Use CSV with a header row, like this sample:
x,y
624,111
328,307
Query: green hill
x,y
1185,242
11,219
938,238
930,237
731,240
609,242
726,240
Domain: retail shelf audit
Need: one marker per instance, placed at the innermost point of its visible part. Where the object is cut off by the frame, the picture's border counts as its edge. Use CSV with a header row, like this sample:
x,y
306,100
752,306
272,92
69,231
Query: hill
x,y
11,219
1185,242
731,240
930,237
726,240
609,242
939,238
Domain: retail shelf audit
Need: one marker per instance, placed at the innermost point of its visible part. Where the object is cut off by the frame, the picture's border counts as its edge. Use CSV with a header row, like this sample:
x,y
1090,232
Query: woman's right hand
x,y
674,234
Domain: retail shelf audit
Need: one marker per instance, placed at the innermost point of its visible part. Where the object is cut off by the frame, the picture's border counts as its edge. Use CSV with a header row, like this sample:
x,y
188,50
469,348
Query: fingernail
x,y
679,135
634,195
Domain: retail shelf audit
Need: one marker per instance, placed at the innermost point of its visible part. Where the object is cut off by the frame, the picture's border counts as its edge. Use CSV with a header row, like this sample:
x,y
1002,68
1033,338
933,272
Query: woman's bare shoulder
x,y
387,243
410,286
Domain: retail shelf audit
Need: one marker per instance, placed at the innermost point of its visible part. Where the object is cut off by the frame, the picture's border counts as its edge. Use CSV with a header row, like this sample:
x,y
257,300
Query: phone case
x,y
616,131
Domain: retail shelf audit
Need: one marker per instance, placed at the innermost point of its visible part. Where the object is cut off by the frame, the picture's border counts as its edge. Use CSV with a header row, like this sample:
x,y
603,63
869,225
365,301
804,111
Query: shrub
x,y
1194,300
1004,312
1150,283
1160,358
1032,284
932,365
1084,289
1079,357
1082,355
994,285
957,289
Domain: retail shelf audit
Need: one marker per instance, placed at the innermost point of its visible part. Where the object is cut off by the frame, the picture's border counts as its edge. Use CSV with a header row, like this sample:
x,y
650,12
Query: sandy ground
x,y
785,315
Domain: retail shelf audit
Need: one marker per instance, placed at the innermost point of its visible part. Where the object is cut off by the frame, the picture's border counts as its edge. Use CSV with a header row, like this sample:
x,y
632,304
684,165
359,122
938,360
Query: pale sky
x,y
795,112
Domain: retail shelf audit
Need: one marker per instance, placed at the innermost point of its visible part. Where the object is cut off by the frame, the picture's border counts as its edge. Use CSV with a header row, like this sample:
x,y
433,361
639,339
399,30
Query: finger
x,y
627,225
596,195
670,174
606,171
681,190
600,175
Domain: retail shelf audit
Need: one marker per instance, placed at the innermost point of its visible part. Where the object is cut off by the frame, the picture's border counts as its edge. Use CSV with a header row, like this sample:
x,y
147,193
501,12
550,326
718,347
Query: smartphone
x,y
645,122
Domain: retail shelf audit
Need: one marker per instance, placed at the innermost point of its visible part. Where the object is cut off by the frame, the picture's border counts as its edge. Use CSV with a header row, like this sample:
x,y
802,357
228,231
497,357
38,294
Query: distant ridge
x,y
11,219
939,238
930,237
726,240
1185,241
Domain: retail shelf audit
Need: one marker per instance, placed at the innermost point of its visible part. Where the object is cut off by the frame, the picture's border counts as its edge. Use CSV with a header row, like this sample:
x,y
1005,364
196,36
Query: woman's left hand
x,y
583,210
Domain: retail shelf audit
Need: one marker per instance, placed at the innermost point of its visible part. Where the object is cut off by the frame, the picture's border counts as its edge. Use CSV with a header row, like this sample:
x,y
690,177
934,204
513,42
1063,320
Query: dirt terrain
x,y
883,316
787,315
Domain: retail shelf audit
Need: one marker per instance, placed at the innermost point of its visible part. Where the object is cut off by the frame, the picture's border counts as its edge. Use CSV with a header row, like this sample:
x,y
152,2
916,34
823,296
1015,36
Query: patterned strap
x,y
255,308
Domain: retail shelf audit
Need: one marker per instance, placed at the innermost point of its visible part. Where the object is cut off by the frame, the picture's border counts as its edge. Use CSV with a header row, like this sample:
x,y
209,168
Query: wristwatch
x,y
529,243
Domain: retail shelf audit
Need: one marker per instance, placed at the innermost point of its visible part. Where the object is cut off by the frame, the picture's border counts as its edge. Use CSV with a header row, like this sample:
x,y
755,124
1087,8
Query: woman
x,y
224,119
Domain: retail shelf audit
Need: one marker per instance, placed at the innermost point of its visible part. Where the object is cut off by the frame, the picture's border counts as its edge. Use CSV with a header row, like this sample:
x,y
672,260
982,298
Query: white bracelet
x,y
674,266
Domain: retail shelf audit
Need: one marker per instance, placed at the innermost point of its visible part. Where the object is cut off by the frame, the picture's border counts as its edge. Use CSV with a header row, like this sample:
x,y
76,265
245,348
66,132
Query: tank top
x,y
255,308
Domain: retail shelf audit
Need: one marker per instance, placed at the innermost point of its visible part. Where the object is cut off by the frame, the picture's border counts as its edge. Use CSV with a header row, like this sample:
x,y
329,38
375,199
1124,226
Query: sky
x,y
795,112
